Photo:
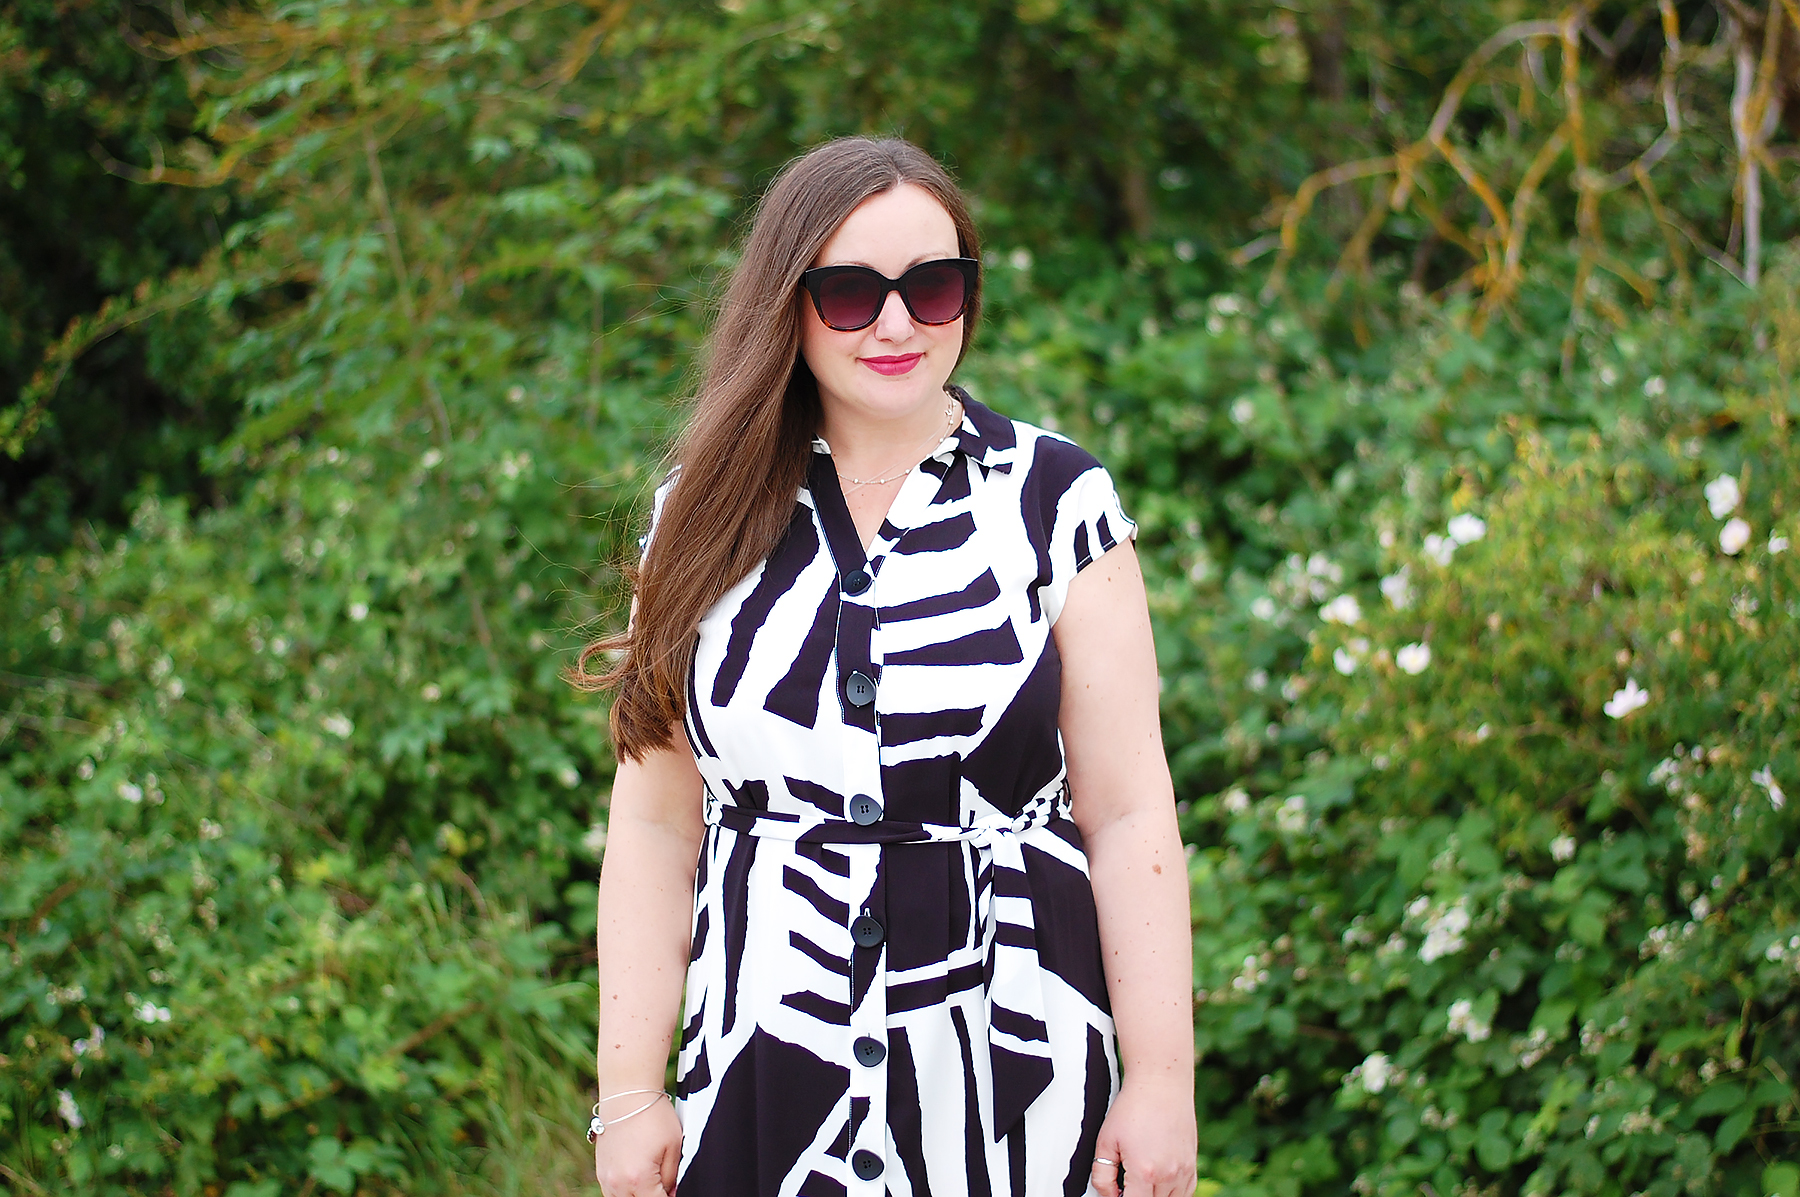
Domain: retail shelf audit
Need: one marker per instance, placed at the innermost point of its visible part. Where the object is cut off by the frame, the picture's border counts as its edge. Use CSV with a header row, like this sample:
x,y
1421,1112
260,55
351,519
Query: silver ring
x,y
1098,1160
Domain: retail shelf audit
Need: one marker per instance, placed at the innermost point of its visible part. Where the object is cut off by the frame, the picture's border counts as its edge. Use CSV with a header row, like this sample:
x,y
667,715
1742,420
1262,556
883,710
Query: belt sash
x,y
1013,990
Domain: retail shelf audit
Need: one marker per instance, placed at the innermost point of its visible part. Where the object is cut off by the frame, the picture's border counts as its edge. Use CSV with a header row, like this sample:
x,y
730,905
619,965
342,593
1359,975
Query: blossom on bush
x,y
1723,496
131,793
1291,817
1464,1021
1777,544
1397,589
1373,1074
1349,655
1343,609
1236,800
1734,536
1467,528
68,1110
1439,548
149,1011
338,724
1765,777
1413,658
1444,932
1624,702
1562,848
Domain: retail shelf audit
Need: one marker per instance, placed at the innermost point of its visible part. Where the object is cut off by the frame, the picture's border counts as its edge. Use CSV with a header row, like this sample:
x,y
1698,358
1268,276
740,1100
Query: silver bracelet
x,y
596,1127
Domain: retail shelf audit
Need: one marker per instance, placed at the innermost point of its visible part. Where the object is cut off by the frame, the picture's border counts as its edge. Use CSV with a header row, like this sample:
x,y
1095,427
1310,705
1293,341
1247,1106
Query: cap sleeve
x,y
1088,521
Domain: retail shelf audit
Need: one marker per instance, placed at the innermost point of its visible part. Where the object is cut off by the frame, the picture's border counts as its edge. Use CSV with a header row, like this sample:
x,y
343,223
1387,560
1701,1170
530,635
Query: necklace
x,y
951,420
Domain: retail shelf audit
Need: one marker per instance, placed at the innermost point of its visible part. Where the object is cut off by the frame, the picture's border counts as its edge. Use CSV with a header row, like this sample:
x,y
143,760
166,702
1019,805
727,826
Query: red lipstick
x,y
892,365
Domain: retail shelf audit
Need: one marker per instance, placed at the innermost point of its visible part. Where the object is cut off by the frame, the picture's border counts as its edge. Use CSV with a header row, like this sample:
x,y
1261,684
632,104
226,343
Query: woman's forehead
x,y
891,231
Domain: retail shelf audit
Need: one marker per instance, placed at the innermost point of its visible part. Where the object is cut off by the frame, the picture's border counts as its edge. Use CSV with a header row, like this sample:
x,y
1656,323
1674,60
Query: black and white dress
x,y
896,983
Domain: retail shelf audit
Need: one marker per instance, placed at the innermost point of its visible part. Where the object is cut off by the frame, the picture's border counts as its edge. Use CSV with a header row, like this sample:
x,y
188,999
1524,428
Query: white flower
x,y
149,1011
1777,544
1439,548
1263,608
595,840
1292,815
1701,907
1375,1072
71,1113
1655,387
1236,800
1563,847
1397,589
1625,701
1343,609
1242,412
1413,658
133,794
94,1042
1463,1021
1734,536
1467,528
431,692
1765,777
359,611
1444,932
431,458
1723,496
1019,259
569,777
338,724
1344,660
210,830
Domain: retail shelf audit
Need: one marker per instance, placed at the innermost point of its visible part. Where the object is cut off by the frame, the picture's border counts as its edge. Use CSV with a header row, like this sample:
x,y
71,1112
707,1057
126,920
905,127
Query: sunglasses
x,y
848,298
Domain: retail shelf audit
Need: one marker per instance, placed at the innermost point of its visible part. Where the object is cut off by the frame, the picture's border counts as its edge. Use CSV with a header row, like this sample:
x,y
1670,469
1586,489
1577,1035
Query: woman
x,y
843,808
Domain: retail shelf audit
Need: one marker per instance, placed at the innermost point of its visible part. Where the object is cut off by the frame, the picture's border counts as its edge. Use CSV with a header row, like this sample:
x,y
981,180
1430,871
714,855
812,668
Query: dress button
x,y
860,689
870,1052
867,931
866,1164
864,810
856,581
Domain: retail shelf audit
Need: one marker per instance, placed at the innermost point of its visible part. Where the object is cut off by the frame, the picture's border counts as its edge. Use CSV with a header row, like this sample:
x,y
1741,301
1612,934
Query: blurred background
x,y
1444,351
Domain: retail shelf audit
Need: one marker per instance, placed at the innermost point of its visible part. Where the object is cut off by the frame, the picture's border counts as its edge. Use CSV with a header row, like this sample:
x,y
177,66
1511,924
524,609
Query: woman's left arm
x,y
1124,805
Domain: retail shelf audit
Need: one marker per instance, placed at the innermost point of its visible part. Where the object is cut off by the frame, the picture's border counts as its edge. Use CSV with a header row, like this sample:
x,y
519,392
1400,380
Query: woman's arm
x,y
653,838
1125,807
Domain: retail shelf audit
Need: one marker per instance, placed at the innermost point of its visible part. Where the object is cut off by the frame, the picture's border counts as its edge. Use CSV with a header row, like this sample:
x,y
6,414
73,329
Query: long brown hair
x,y
744,453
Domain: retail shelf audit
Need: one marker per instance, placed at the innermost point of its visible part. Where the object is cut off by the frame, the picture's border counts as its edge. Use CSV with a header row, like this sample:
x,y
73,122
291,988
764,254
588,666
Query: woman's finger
x,y
1105,1173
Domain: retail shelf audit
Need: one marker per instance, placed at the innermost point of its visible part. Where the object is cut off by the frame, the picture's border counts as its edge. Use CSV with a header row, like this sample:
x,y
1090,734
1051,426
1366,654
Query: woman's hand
x,y
1151,1136
638,1156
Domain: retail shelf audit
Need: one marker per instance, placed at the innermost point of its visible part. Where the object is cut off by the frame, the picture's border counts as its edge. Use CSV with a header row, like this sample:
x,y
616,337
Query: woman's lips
x,y
892,365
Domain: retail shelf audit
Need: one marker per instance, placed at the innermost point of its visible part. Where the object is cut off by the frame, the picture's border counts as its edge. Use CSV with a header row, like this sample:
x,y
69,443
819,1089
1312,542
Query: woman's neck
x,y
864,447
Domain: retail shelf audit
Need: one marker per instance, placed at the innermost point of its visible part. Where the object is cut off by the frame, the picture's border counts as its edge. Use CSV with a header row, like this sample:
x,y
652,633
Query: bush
x,y
1527,920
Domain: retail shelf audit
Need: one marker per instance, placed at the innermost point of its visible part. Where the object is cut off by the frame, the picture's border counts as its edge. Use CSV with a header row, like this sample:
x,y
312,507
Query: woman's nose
x,y
895,323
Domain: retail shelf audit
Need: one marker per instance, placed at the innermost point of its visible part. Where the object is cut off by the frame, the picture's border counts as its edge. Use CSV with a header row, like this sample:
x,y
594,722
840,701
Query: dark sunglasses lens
x,y
936,293
849,300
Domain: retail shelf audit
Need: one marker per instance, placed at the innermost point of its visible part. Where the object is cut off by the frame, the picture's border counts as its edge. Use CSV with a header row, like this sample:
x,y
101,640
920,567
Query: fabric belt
x,y
1013,990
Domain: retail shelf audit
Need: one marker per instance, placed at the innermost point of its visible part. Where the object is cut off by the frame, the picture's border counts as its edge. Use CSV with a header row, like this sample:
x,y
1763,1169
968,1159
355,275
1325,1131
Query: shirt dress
x,y
895,982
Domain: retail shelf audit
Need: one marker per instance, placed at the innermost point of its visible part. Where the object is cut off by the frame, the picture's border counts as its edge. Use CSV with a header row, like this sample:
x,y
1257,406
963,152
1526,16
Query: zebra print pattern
x,y
903,996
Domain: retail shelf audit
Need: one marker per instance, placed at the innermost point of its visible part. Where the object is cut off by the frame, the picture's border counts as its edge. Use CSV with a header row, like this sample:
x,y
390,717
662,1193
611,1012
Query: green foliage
x,y
288,758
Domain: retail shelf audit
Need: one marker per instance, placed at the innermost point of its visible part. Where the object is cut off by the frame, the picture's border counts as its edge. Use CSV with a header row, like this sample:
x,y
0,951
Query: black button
x,y
864,810
866,1164
856,581
870,1052
860,689
867,932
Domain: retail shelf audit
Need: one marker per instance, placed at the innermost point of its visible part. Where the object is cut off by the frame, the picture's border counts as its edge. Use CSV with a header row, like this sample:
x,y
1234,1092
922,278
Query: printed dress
x,y
896,984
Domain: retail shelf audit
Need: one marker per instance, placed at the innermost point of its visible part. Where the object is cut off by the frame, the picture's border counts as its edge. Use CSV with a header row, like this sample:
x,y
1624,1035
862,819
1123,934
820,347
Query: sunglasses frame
x,y
814,280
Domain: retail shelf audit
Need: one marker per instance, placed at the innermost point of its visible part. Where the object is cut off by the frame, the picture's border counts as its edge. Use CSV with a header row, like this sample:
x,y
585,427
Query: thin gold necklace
x,y
858,483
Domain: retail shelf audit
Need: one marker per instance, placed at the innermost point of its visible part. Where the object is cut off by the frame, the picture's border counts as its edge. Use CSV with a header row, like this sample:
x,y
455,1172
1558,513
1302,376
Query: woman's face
x,y
895,368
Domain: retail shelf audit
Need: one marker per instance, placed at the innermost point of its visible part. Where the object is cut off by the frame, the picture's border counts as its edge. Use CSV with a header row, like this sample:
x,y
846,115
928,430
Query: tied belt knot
x,y
1013,990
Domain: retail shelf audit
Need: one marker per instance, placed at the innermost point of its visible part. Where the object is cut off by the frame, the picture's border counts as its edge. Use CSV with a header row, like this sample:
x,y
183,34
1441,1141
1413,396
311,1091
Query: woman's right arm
x,y
653,835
